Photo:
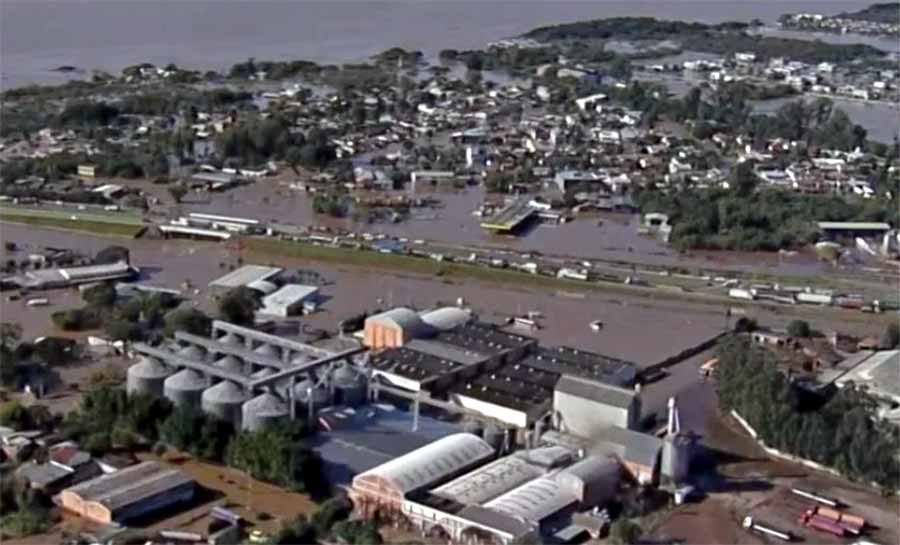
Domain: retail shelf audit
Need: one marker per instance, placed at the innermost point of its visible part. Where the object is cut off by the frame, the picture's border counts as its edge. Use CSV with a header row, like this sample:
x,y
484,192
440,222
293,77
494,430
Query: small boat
x,y
596,325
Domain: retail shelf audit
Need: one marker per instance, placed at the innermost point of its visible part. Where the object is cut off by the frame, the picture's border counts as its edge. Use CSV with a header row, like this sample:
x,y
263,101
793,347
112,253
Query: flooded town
x,y
618,278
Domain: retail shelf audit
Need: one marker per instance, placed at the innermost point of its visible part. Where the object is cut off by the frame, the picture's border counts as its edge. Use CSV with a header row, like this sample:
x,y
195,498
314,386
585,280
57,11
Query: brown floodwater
x,y
454,223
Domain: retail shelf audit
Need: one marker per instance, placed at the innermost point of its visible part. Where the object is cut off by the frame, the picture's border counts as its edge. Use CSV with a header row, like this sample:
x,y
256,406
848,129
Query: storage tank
x,y
268,350
593,481
263,411
231,364
676,457
232,339
305,389
147,377
349,386
193,352
185,388
224,401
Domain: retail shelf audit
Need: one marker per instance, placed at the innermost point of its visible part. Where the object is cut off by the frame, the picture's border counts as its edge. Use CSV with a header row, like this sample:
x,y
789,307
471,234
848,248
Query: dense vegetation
x,y
842,433
759,220
23,510
722,39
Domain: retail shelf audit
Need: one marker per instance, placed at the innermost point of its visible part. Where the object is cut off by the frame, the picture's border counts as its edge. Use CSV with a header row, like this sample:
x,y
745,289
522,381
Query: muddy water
x,y
454,223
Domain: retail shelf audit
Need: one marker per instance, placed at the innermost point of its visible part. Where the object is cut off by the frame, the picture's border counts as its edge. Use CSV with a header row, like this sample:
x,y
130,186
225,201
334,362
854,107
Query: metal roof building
x,y
584,407
443,459
128,493
287,300
446,318
490,481
72,276
244,276
535,500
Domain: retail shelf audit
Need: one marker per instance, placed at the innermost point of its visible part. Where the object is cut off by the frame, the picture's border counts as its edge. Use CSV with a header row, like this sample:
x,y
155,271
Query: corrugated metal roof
x,y
244,276
631,446
489,481
130,485
596,391
446,318
534,501
433,462
401,317
495,520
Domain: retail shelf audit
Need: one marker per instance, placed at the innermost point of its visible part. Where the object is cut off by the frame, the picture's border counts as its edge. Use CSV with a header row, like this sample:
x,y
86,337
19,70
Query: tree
x,y
177,192
624,532
298,531
799,329
890,337
112,254
744,178
15,415
101,295
189,320
239,305
119,329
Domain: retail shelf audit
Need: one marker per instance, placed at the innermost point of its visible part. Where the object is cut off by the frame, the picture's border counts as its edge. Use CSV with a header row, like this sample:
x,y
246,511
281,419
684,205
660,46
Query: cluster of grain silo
x,y
218,376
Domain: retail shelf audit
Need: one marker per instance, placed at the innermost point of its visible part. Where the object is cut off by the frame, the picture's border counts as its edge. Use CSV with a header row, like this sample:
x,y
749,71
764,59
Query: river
x,y
37,36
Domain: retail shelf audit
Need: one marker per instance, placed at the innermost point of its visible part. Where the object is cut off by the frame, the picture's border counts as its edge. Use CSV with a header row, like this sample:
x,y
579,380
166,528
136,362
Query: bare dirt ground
x,y
743,481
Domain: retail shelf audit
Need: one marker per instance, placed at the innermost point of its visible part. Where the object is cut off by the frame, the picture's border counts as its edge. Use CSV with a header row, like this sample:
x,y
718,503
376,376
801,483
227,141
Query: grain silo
x,y
263,411
676,457
349,386
230,363
147,377
268,350
185,388
677,449
224,401
193,353
231,339
306,390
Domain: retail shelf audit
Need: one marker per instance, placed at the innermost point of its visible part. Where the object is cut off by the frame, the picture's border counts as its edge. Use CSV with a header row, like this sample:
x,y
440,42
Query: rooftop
x,y
412,364
245,275
880,373
596,391
130,485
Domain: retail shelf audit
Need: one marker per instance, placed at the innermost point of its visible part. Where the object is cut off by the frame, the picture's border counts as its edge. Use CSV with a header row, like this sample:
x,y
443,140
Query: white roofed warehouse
x,y
387,485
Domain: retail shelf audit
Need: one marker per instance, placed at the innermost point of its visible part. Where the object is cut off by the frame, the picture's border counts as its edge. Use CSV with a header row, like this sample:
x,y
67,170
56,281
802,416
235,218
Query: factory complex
x,y
541,433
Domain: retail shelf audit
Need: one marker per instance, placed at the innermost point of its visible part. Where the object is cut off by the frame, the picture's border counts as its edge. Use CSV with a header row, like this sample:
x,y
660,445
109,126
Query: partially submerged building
x,y
129,493
44,279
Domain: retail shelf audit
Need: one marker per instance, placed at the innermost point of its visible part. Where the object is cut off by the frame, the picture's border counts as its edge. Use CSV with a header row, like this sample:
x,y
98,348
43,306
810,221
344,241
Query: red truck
x,y
823,524
832,521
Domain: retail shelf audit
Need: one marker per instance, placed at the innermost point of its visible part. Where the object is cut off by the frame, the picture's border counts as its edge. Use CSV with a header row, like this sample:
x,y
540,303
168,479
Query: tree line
x,y
843,432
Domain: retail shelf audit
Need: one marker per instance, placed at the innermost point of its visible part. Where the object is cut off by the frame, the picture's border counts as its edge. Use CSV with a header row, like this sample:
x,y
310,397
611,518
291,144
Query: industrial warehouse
x,y
457,488
129,493
575,413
